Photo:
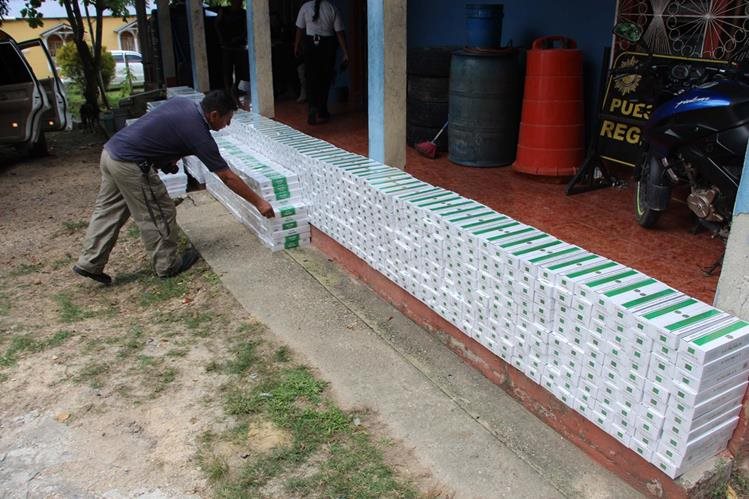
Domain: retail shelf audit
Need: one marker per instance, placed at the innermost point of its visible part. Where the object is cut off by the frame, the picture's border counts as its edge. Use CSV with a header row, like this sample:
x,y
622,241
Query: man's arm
x,y
342,43
237,185
298,42
207,151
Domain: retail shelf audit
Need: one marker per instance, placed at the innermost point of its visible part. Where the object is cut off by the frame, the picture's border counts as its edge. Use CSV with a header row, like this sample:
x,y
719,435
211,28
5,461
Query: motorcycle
x,y
697,135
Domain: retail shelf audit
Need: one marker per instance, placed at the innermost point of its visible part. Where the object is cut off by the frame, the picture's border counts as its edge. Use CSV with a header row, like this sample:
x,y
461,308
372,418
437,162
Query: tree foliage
x,y
3,10
85,18
71,66
31,13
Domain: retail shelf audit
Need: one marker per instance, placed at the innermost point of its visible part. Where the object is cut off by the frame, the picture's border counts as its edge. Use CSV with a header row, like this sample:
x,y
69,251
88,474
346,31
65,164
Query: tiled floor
x,y
601,221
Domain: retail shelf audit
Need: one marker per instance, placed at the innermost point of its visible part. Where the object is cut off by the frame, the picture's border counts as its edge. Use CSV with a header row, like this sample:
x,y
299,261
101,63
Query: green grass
x,y
146,361
75,98
18,344
260,384
238,433
213,367
164,378
4,304
140,276
237,403
26,343
132,342
215,467
198,320
211,277
57,339
294,401
199,324
160,290
282,354
62,262
245,357
354,469
93,374
25,269
156,376
252,328
73,226
740,482
69,311
93,345
133,232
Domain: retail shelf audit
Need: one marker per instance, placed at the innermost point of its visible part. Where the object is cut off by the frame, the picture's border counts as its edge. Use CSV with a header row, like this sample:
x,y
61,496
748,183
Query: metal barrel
x,y
484,107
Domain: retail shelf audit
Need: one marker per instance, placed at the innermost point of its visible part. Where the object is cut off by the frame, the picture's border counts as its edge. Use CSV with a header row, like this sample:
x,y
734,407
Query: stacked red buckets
x,y
551,141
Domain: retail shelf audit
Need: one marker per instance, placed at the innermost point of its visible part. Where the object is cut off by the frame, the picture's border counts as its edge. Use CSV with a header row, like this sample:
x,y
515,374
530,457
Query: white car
x,y
124,59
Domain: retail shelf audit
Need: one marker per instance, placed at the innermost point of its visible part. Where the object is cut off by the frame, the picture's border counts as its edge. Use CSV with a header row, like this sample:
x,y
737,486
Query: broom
x,y
428,149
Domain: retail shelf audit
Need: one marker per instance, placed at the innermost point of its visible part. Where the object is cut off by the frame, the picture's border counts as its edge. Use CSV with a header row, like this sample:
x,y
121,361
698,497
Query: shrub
x,y
70,64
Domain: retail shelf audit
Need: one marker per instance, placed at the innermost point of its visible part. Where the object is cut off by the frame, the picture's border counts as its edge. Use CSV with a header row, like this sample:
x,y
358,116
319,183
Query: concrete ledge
x,y
453,423
599,445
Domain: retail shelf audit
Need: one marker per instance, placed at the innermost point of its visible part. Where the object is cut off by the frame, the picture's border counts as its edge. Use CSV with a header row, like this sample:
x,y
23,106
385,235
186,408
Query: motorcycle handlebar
x,y
658,71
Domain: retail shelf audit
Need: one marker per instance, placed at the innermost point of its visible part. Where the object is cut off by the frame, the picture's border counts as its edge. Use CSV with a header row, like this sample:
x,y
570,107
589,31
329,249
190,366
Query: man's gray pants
x,y
126,191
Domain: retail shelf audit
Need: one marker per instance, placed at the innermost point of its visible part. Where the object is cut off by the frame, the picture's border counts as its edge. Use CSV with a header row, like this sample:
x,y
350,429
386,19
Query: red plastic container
x,y
552,126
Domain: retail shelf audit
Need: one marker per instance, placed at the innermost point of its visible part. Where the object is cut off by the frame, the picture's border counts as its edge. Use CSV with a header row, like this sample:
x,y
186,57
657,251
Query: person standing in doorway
x,y
231,28
130,185
319,28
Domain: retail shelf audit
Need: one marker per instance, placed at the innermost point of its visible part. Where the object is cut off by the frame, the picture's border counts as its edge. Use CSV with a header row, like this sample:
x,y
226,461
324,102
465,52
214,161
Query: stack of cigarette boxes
x,y
151,105
171,92
289,228
195,168
187,92
661,372
175,183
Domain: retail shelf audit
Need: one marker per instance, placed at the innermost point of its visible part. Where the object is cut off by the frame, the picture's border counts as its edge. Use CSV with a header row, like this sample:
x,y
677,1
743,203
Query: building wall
x,y
20,30
588,22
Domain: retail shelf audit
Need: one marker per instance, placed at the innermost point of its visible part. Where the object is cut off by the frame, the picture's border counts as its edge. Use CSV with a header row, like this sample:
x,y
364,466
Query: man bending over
x,y
130,185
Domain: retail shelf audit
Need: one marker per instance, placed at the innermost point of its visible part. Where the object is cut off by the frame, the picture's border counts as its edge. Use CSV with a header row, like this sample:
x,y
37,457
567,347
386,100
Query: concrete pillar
x,y
166,43
732,294
196,30
386,34
258,48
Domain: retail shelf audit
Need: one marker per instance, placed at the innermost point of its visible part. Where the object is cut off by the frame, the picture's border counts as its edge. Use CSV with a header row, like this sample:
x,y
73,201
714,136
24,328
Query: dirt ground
x,y
117,391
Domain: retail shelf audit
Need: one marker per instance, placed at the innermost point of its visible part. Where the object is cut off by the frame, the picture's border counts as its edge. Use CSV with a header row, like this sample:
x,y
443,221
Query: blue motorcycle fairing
x,y
702,97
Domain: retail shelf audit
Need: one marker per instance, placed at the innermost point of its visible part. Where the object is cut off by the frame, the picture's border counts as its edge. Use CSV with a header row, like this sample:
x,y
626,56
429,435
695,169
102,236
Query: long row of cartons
x,y
660,371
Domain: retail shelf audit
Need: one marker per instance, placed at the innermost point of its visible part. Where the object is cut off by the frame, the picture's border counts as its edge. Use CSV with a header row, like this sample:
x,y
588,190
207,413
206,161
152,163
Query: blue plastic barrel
x,y
484,25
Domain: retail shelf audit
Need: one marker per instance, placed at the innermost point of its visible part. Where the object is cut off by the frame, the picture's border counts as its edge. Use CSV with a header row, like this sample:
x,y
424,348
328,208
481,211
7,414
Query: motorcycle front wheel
x,y
646,216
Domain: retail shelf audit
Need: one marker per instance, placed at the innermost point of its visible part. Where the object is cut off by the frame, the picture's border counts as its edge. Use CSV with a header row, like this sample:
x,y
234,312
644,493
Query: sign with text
x,y
629,99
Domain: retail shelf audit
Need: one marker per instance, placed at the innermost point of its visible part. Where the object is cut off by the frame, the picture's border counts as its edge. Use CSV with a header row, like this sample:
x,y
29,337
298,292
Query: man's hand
x,y
171,168
265,209
237,185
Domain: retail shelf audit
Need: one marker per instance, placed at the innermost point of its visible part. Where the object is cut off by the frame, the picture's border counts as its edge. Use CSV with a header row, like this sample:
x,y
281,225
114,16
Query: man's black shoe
x,y
102,278
189,257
